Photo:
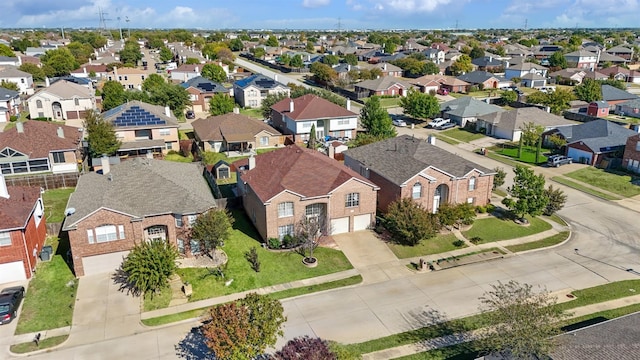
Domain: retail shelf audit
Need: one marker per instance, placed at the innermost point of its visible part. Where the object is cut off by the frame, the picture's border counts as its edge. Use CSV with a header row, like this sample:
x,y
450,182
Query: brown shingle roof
x,y
15,211
232,127
302,171
309,107
39,138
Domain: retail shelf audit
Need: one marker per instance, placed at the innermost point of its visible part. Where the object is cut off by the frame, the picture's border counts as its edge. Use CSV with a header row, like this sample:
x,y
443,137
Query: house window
x,y
90,236
191,219
119,78
313,210
285,209
416,192
39,104
343,122
76,101
472,183
638,146
181,246
470,200
285,230
353,200
179,222
121,231
58,157
38,165
307,125
347,134
164,132
106,233
5,239
20,167
223,173
168,145
142,77
195,247
264,140
126,78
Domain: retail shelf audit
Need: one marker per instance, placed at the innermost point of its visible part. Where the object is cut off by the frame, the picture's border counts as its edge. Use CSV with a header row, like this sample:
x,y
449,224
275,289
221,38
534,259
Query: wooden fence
x,y
45,181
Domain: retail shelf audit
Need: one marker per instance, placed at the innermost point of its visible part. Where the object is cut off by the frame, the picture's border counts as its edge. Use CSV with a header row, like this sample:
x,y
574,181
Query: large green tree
x,y
420,105
165,54
9,85
529,192
101,135
557,101
558,60
81,51
58,62
6,51
409,223
212,229
531,132
461,66
36,72
153,81
476,52
130,54
149,265
322,73
214,72
220,104
590,90
296,61
272,41
557,199
376,119
236,45
113,95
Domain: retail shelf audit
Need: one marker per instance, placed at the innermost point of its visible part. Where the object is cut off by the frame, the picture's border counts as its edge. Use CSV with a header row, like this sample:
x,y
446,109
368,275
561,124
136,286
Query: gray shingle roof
x,y
517,118
382,83
597,134
477,77
401,158
610,93
142,187
467,106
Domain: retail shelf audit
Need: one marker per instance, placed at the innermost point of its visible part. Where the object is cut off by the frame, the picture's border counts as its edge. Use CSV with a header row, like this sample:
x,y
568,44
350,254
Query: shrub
x,y
13,118
252,258
149,265
458,243
288,241
481,209
274,243
490,208
475,239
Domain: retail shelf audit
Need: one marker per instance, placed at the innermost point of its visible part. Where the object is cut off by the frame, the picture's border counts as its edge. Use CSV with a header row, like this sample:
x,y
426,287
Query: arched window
x,y
416,191
39,104
472,183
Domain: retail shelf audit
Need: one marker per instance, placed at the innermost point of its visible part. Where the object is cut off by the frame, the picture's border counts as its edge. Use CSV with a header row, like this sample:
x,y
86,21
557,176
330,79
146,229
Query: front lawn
x,y
55,201
497,229
463,134
439,244
528,154
276,267
253,113
387,102
51,295
616,183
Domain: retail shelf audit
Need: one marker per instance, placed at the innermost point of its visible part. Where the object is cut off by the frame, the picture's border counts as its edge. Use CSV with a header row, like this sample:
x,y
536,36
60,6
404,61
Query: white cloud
x,y
315,3
409,6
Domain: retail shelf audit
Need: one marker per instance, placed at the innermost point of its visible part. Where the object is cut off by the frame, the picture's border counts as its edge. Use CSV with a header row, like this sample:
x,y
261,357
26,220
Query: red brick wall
x,y
630,152
33,239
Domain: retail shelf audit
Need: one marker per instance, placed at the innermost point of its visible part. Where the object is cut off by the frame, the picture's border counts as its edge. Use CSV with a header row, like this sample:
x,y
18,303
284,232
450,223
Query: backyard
x,y
617,183
55,201
528,154
463,134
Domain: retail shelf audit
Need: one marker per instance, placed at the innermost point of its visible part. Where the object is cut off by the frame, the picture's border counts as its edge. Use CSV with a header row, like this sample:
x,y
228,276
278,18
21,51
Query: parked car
x,y
445,126
399,122
442,91
10,299
437,122
557,160
190,114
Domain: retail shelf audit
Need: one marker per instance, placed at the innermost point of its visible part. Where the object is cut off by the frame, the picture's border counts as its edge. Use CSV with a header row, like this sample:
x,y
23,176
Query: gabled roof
x,y
39,138
581,53
532,76
13,72
467,106
619,50
635,103
604,57
612,93
477,77
597,134
428,80
189,68
615,70
64,89
7,94
310,107
486,61
15,211
260,81
204,85
302,171
382,83
526,66
138,114
232,127
517,118
142,187
89,68
400,158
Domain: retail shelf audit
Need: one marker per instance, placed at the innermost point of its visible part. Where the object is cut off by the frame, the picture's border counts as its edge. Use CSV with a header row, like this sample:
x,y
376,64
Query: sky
x,y
321,14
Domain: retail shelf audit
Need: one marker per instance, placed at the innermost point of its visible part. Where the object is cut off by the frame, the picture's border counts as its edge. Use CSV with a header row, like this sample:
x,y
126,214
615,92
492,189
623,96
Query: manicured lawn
x,y
387,102
44,344
500,192
463,134
439,244
602,293
528,155
254,113
546,242
504,159
178,158
557,219
495,229
276,267
616,183
564,181
447,139
49,301
55,201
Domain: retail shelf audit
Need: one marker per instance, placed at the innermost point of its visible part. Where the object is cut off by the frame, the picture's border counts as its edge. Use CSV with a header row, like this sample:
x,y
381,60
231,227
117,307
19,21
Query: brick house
x,y
22,231
631,157
61,101
281,187
408,167
582,59
139,200
297,116
386,85
201,90
10,104
129,78
250,91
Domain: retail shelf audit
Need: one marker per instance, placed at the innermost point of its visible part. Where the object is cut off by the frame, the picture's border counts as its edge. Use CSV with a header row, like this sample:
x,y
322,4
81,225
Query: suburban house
x,y
631,156
615,96
63,100
144,128
386,69
297,116
435,55
139,200
621,51
10,104
386,85
617,73
185,72
532,80
85,71
453,84
592,142
484,80
250,91
488,63
22,231
201,90
235,132
598,108
39,147
408,167
428,83
582,59
466,109
130,78
571,76
10,60
24,80
519,70
509,124
629,108
282,187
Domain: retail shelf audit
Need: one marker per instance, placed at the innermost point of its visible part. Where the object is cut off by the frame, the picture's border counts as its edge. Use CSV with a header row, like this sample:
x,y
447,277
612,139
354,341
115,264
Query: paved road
x,y
285,79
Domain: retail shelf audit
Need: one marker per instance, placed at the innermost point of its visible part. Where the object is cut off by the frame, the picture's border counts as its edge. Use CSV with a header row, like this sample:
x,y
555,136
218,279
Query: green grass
x,y
572,184
49,302
615,183
463,351
602,293
168,319
255,113
158,300
500,192
178,158
546,242
44,344
439,244
447,139
387,102
495,229
463,134
504,160
185,134
55,201
528,155
557,219
276,267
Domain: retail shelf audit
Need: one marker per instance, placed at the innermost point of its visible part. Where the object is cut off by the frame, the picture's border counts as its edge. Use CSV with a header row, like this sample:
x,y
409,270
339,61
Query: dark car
x,y
10,299
190,114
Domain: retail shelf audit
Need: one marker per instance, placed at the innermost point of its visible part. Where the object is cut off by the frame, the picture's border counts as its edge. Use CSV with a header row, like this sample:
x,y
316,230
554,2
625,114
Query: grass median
x,y
546,242
617,183
497,229
585,189
31,346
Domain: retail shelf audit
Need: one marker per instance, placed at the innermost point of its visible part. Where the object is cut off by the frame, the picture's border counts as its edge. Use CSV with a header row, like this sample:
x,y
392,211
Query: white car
x,y
399,122
437,122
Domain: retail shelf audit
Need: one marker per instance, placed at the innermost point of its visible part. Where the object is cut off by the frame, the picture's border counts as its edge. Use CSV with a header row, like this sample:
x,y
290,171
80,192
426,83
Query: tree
x,y
523,321
508,97
172,95
130,54
34,70
447,215
311,144
259,52
409,223
430,68
165,54
101,135
9,85
305,347
285,59
150,264
330,60
153,81
322,73
557,199
243,329
58,62
296,61
462,65
558,60
351,59
476,52
221,104
531,132
419,105
214,72
557,141
212,229
557,101
6,51
225,55
269,101
113,95
81,52
590,90
528,189
272,41
236,45
376,119
308,231
499,177
192,61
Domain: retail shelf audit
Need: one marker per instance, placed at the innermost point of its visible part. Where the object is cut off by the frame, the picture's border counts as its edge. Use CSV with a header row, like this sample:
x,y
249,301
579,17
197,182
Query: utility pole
x,y
525,24
103,24
120,28
126,18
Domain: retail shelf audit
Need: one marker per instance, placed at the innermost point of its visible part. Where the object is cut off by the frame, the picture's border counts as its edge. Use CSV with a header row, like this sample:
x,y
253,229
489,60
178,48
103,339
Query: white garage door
x,y
579,155
99,264
361,222
13,271
340,226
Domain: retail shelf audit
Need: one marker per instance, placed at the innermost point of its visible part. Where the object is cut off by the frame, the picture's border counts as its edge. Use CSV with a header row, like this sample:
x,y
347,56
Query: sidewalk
x,y
454,339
